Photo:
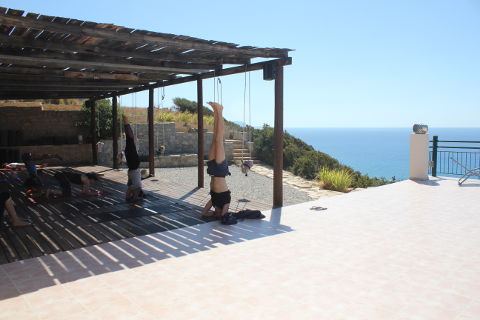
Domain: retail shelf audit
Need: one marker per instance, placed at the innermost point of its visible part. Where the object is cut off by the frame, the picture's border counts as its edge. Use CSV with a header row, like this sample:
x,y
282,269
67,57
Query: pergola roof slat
x,y
90,29
47,52
14,12
25,60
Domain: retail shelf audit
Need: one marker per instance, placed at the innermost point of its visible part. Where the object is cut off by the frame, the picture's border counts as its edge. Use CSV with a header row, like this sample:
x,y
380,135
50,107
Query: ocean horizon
x,y
378,152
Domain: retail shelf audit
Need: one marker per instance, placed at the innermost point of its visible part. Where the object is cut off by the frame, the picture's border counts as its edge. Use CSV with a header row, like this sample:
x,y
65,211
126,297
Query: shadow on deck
x,y
81,222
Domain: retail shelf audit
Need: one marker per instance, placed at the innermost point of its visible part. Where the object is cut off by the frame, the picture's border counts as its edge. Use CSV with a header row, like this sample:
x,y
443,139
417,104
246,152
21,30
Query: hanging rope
x,y
244,109
214,86
120,154
246,164
249,110
134,102
217,89
220,91
121,122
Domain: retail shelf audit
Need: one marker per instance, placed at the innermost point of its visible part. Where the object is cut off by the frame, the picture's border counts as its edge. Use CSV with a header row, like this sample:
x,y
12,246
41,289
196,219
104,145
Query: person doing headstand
x,y
134,183
217,168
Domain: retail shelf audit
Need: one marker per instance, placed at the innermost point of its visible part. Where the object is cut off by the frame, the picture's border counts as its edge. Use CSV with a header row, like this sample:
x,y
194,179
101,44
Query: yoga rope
x,y
249,163
160,105
244,109
163,127
220,91
217,89
134,102
121,129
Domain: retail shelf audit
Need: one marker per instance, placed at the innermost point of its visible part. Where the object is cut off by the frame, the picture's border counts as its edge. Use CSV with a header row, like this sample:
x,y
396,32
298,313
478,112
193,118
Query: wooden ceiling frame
x,y
41,53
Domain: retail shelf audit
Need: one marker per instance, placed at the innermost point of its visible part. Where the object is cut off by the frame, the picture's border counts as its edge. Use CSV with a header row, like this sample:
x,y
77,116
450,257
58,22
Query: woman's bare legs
x,y
218,132
15,220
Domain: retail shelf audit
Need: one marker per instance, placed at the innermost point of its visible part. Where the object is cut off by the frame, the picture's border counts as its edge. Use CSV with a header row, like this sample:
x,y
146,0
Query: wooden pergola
x,y
46,57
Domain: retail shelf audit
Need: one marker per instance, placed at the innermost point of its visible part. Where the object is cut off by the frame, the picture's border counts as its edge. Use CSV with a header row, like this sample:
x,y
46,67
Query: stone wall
x,y
181,146
165,134
71,153
173,160
54,127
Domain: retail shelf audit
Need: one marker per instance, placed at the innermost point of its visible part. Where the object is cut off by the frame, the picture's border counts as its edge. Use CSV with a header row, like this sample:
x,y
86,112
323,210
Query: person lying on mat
x,y
29,162
14,166
134,183
217,168
66,178
7,203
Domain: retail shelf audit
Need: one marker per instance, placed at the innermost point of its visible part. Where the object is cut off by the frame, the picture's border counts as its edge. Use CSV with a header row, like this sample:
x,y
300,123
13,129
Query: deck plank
x,y
65,224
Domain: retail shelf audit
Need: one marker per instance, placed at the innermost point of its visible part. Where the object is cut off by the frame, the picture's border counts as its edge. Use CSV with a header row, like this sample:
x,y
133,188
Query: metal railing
x,y
455,163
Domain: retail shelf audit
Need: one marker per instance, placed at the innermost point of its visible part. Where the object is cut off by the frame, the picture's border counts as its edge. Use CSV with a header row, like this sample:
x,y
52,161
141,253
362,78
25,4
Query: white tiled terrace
x,y
409,250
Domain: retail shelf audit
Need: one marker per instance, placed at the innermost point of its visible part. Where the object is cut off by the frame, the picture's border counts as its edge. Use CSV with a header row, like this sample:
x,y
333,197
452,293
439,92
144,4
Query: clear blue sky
x,y
357,63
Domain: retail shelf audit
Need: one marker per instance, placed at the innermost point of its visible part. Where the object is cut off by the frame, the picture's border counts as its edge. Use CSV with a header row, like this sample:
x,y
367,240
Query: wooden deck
x,y
66,224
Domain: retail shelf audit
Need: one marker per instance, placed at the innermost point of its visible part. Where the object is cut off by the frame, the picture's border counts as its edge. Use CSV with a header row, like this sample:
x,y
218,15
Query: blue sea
x,y
378,152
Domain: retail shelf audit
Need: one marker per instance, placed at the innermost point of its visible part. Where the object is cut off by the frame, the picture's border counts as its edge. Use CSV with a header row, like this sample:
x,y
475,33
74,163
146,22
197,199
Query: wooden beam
x,y
100,76
45,82
151,148
32,89
82,57
43,79
28,71
154,77
34,85
201,142
138,77
33,61
278,138
19,41
206,75
93,130
115,132
50,72
136,37
10,95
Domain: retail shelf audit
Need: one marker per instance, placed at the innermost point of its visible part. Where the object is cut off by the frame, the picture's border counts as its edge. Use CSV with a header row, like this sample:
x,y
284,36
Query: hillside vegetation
x,y
298,157
303,160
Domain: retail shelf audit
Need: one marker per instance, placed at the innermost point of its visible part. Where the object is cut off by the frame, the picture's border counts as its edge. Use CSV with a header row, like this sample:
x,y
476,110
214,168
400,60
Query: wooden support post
x,y
278,137
115,131
151,148
201,141
93,130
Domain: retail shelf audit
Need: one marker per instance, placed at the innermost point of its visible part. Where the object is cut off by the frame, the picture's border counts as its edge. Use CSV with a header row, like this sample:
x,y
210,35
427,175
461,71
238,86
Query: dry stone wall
x,y
39,126
180,147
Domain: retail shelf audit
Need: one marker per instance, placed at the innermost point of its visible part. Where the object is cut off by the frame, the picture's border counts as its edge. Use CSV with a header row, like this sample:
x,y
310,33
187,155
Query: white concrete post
x,y
419,156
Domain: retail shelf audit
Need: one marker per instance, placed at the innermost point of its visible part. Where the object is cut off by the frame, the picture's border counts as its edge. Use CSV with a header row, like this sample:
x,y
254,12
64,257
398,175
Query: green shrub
x,y
165,117
208,120
302,159
185,105
263,142
308,165
335,179
364,181
103,111
185,117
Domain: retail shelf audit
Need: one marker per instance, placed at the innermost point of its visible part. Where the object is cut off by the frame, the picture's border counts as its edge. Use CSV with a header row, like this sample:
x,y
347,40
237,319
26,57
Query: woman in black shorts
x,y
217,168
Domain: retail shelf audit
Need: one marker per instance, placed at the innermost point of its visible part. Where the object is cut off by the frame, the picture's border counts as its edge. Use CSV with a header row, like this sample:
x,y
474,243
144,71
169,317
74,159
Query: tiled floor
x,y
403,251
